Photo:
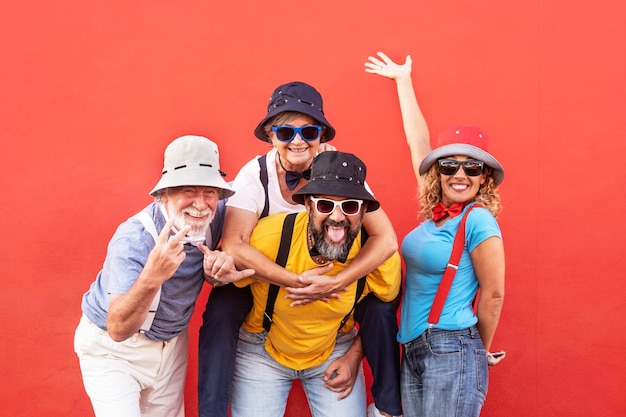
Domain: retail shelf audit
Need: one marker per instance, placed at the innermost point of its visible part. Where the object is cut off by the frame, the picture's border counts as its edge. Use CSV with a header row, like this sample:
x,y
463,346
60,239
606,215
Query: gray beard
x,y
332,251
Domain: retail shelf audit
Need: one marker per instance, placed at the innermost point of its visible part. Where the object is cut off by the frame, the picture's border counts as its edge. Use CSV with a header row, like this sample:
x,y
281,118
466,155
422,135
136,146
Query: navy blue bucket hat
x,y
299,97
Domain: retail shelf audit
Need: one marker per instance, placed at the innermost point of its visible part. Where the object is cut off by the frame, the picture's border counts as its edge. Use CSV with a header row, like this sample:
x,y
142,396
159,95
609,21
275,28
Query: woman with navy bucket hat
x,y
297,129
447,325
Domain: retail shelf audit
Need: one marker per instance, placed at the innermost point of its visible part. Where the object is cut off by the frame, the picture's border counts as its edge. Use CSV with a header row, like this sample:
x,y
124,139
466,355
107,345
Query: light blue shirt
x,y
127,254
426,252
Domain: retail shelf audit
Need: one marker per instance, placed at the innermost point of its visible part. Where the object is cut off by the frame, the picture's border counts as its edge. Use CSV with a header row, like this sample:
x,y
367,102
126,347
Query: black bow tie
x,y
293,178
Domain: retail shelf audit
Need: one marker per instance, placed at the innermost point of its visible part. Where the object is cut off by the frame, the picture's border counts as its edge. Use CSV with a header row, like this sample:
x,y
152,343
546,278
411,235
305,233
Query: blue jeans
x,y
261,385
444,374
225,311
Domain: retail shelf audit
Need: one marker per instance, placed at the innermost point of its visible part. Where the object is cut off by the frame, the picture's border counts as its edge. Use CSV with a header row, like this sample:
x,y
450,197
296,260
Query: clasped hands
x,y
314,285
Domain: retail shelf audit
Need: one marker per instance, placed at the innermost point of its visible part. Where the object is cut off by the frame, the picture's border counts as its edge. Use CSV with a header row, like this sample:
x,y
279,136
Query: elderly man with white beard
x,y
132,337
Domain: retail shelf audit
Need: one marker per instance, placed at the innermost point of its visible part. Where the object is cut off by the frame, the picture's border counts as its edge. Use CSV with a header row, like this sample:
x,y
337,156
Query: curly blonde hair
x,y
429,194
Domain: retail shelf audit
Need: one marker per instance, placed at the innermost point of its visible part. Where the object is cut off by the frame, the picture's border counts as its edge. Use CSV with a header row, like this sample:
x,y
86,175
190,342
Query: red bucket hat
x,y
464,140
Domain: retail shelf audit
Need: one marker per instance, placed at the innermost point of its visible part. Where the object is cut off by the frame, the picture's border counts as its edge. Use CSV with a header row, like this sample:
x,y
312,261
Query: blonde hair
x,y
429,194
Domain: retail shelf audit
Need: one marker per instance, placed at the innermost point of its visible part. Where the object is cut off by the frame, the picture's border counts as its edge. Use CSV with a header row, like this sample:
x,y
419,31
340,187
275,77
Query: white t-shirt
x,y
250,194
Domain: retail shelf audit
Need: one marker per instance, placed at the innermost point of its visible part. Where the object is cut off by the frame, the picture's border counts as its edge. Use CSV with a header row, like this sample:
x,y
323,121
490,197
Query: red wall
x,y
93,91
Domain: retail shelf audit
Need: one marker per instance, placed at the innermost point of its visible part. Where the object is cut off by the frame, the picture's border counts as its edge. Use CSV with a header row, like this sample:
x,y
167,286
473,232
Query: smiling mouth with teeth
x,y
459,187
298,150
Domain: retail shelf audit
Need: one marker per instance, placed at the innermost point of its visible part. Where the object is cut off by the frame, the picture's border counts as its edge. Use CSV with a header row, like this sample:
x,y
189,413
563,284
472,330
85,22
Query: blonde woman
x,y
445,361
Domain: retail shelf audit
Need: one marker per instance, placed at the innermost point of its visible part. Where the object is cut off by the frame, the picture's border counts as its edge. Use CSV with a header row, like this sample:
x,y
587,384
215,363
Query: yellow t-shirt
x,y
303,337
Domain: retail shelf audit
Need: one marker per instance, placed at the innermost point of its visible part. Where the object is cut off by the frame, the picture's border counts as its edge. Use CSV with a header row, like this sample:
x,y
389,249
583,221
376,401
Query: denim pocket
x,y
482,370
252,338
445,345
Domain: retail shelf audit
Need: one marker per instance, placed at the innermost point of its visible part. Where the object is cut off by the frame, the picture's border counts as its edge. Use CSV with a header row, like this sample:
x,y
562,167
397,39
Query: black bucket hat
x,y
300,97
337,174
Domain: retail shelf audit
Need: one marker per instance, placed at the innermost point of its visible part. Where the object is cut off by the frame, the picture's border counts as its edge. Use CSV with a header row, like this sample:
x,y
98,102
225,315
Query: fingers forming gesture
x,y
167,254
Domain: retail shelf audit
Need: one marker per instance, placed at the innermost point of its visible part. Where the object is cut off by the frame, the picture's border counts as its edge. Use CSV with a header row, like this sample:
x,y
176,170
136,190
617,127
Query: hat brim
x,y
336,188
467,150
299,107
200,177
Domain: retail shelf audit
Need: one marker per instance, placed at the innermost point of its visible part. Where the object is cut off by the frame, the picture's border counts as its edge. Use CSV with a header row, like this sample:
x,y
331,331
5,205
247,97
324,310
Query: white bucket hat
x,y
194,161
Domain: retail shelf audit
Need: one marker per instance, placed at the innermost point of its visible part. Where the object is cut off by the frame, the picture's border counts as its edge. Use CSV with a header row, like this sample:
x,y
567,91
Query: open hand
x,y
387,68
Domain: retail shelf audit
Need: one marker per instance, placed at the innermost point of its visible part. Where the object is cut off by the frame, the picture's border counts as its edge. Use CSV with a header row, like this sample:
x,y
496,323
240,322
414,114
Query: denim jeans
x,y
261,385
444,374
225,311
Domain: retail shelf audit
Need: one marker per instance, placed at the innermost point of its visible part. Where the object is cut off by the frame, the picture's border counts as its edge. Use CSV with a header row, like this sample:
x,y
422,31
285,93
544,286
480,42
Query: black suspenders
x,y
281,259
263,178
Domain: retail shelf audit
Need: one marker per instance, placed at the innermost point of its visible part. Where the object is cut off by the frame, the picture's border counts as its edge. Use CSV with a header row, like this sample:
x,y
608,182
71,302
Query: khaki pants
x,y
138,377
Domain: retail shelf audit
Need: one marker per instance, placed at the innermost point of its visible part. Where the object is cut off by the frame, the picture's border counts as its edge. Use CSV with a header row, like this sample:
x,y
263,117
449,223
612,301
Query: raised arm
x,y
415,127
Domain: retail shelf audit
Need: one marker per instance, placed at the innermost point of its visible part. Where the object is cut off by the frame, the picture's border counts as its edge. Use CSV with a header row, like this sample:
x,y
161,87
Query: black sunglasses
x,y
471,167
348,207
288,133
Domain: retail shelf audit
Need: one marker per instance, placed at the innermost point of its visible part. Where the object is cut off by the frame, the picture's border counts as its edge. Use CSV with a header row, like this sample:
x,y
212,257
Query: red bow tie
x,y
440,211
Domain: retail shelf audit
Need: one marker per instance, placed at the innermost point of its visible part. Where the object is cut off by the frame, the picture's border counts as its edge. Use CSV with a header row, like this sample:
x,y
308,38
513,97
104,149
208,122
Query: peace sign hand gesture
x,y
167,255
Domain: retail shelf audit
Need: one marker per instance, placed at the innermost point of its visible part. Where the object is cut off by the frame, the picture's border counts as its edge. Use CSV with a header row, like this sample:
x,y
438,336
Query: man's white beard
x,y
199,227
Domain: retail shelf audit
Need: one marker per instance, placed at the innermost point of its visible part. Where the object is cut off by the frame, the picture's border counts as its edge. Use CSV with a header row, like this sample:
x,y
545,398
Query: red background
x,y
94,91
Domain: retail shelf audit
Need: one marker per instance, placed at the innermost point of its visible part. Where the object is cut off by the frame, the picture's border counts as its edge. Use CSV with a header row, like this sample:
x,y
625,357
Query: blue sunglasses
x,y
288,133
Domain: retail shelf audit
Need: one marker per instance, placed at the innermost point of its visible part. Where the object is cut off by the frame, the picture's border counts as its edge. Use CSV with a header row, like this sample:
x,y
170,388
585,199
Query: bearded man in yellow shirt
x,y
279,343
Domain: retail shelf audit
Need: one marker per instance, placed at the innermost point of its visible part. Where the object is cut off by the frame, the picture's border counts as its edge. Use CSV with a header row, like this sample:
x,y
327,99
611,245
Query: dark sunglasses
x,y
471,167
288,133
348,207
